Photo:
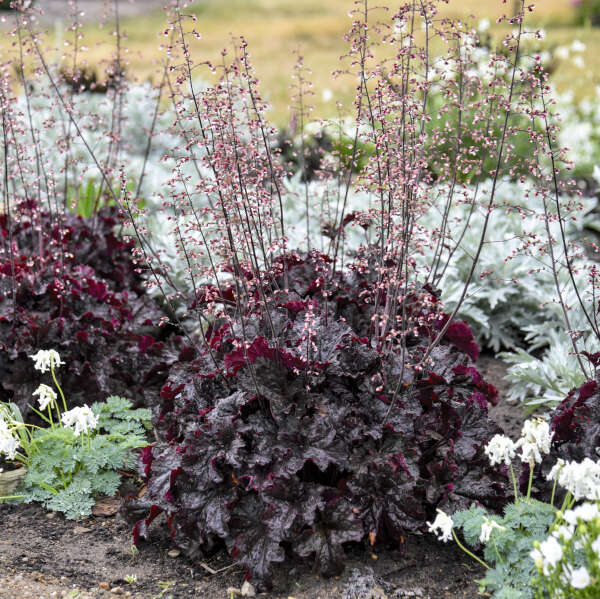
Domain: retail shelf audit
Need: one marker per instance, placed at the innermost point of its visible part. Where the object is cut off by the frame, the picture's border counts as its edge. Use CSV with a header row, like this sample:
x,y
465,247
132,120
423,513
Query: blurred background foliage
x,y
276,29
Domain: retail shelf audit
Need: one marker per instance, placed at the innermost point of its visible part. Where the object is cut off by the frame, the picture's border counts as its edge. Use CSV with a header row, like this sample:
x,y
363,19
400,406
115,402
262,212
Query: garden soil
x,y
44,556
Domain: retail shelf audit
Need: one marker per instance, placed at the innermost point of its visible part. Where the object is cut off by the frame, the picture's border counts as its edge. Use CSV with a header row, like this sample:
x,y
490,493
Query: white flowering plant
x,y
79,454
568,561
506,539
533,550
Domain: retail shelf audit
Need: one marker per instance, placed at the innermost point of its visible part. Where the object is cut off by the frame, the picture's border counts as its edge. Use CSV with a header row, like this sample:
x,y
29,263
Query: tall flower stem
x,y
529,485
50,416
62,395
469,553
553,491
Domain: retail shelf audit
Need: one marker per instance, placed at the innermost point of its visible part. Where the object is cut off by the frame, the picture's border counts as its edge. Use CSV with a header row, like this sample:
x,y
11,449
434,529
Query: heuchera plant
x,y
301,446
71,284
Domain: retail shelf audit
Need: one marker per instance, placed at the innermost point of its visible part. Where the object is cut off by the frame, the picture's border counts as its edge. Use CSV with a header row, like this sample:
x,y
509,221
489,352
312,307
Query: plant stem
x,y
553,491
62,395
566,502
497,552
469,553
531,469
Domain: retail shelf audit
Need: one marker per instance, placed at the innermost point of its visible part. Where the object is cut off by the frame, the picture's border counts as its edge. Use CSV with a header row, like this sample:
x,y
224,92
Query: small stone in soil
x,y
104,586
174,553
248,590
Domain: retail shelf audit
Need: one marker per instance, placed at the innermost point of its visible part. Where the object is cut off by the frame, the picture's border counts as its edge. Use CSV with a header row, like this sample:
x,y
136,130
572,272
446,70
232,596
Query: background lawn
x,y
275,29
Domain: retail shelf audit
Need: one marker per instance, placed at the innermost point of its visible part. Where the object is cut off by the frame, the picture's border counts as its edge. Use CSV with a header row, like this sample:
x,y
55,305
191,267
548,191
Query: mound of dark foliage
x,y
74,288
280,449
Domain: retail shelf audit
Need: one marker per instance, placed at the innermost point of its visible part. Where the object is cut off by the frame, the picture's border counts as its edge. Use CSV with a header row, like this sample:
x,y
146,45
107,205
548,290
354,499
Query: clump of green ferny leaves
x,y
80,454
507,550
66,472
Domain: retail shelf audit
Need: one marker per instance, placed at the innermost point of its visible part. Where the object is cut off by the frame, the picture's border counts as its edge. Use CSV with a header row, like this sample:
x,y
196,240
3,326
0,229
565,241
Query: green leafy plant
x,y
66,472
86,198
510,542
79,454
164,586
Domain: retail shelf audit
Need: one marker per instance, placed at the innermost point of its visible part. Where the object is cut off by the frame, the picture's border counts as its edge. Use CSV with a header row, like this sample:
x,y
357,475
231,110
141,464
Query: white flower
x,y
581,479
538,558
400,27
82,420
535,440
550,553
486,529
327,95
552,475
46,359
586,512
500,450
596,546
578,579
578,46
562,52
8,441
483,26
530,452
47,397
579,62
564,532
444,524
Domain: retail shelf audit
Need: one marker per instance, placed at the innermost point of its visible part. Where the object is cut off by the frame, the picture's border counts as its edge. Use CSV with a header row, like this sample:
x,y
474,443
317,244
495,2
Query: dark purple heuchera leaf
x,y
257,530
337,524
82,297
292,448
460,335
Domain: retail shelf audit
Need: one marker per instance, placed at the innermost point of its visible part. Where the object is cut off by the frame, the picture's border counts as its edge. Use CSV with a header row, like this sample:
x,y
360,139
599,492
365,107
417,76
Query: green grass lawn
x,y
275,29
